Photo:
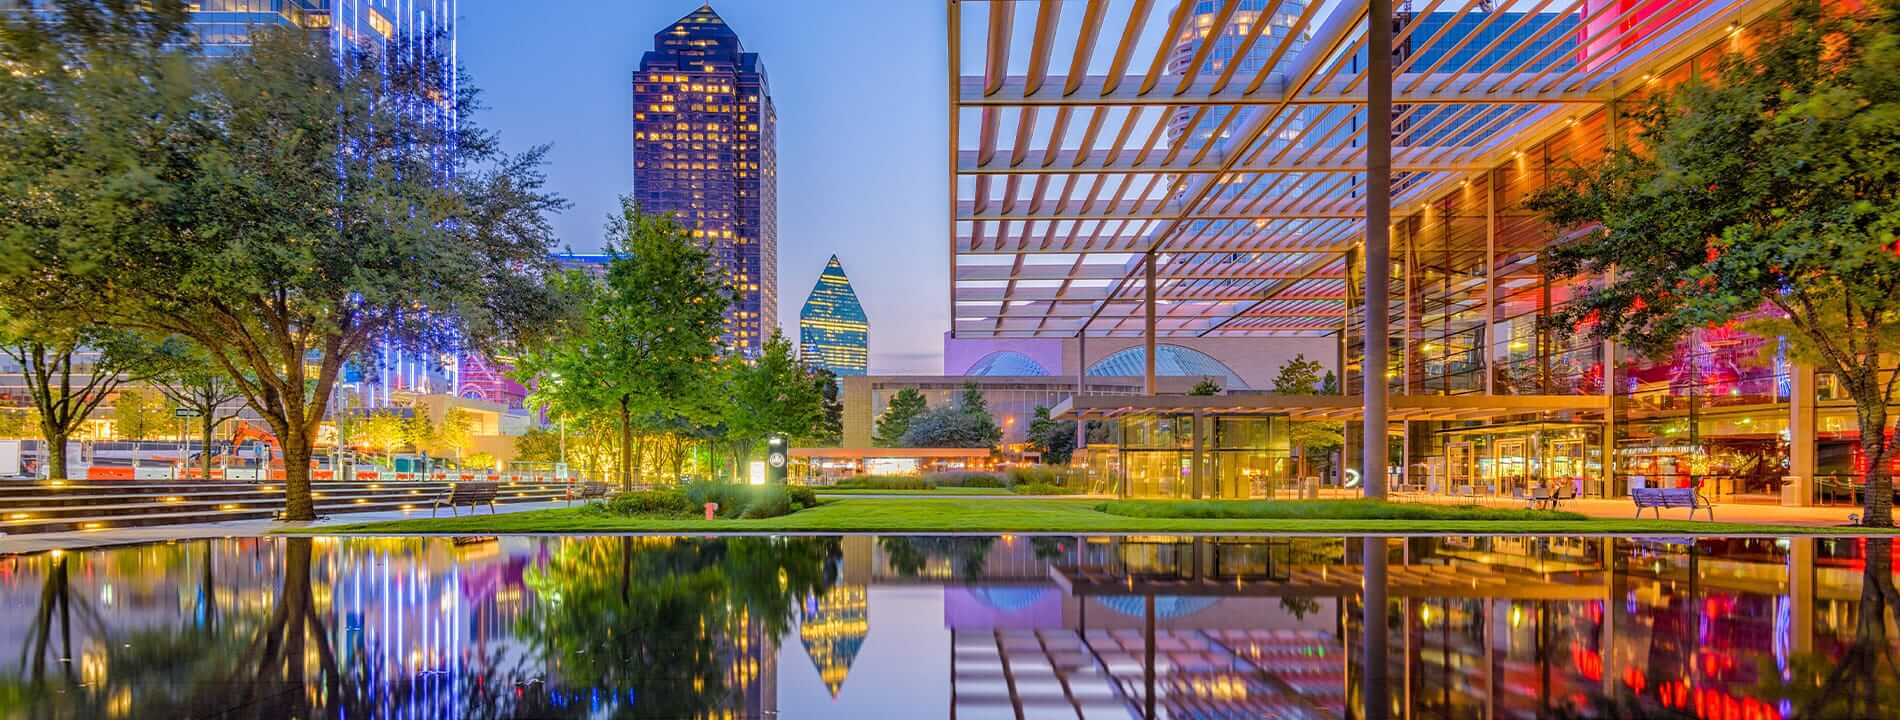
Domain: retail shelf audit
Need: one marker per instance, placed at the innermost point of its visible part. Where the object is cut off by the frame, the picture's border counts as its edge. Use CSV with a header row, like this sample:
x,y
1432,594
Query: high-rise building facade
x,y
705,151
833,332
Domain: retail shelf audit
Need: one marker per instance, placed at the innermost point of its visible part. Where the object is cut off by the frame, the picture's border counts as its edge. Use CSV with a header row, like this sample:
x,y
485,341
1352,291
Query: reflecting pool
x,y
966,627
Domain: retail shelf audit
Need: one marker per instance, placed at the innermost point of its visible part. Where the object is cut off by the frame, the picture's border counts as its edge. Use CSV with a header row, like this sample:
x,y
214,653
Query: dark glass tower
x,y
704,149
833,333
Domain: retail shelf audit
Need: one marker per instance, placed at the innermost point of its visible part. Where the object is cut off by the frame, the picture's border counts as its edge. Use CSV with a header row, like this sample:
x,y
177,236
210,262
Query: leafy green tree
x,y
19,422
137,415
1300,376
287,208
385,430
189,378
69,371
1205,387
964,424
642,343
831,430
1768,196
1054,439
538,445
773,394
908,403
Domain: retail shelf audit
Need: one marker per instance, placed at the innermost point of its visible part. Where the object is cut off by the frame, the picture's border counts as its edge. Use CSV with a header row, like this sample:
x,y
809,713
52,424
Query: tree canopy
x,y
964,424
1766,195
287,208
905,405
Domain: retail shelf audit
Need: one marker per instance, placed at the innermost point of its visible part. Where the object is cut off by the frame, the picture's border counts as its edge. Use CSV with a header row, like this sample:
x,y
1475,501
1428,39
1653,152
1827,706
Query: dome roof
x,y
1006,363
1170,361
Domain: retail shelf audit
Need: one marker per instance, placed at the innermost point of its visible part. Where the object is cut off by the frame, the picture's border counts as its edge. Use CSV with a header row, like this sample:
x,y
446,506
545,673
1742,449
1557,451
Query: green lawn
x,y
932,491
949,514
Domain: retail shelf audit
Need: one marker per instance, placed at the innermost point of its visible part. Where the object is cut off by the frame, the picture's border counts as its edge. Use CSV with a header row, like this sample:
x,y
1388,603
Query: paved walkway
x,y
40,542
1754,514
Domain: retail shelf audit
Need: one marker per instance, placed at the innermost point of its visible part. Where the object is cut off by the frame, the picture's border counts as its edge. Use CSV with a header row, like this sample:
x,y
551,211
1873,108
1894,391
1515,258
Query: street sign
x,y
186,412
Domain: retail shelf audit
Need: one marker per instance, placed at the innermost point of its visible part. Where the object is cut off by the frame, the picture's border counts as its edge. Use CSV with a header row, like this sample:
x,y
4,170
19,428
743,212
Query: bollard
x,y
710,509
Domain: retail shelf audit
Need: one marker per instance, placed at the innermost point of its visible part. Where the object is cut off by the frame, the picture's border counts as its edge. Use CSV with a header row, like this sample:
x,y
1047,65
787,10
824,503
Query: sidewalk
x,y
41,542
1623,509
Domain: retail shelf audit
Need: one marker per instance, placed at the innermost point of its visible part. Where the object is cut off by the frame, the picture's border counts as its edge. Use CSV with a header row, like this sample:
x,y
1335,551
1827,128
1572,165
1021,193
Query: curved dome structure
x,y
1166,606
1006,363
1170,361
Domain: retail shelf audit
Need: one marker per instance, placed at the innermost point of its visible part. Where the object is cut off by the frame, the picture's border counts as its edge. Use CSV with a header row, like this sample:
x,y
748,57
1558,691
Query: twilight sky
x,y
860,90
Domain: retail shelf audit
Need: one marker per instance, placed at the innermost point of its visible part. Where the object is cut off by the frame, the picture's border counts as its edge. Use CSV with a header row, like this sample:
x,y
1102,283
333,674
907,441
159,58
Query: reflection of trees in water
x,y
664,623
908,555
1864,682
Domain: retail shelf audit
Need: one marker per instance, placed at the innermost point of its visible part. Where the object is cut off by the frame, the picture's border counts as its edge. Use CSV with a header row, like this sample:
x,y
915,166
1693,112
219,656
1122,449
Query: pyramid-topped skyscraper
x,y
833,333
705,150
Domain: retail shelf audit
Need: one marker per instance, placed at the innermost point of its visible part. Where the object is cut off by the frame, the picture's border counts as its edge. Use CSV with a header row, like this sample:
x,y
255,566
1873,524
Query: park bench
x,y
1659,498
472,494
587,491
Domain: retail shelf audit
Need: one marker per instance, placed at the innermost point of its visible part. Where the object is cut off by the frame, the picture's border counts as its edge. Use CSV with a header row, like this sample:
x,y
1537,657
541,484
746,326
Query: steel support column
x,y
1378,303
1485,333
1081,383
1148,385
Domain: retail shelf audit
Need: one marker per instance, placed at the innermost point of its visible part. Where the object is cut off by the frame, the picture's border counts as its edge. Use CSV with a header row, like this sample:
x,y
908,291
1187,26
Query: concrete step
x,y
148,519
184,504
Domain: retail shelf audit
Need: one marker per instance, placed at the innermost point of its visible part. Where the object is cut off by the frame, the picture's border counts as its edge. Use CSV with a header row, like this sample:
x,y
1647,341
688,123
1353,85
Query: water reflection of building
x,y
832,629
1477,627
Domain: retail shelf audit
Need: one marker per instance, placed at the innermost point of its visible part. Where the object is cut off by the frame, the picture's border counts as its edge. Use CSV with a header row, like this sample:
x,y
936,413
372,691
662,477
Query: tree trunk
x,y
1877,479
626,447
298,504
639,459
209,436
56,455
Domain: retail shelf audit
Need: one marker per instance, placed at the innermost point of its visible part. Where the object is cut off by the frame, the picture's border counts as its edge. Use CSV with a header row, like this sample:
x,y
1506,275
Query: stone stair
x,y
62,506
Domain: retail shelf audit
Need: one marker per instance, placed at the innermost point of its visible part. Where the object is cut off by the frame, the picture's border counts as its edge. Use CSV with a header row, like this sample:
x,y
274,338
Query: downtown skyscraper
x,y
705,151
833,332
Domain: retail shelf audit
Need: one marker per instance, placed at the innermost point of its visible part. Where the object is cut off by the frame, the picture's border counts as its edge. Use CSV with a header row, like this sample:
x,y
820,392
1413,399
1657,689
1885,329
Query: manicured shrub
x,y
1039,488
886,482
803,497
968,480
668,502
750,501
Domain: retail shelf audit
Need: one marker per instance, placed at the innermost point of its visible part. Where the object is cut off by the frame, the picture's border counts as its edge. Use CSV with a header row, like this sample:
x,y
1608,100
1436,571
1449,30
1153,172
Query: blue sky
x,y
862,130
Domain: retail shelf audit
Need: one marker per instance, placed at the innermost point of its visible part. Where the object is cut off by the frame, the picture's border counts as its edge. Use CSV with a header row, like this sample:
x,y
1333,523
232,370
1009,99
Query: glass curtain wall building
x,y
833,333
705,150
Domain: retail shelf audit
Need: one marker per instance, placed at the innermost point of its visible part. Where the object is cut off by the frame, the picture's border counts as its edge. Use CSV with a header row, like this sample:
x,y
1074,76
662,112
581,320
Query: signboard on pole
x,y
186,412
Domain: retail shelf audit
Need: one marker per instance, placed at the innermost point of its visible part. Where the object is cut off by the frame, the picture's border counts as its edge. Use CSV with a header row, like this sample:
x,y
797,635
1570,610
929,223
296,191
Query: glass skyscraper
x,y
833,333
705,150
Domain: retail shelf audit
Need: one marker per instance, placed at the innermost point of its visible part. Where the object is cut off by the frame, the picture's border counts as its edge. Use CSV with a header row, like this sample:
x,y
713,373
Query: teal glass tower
x,y
833,333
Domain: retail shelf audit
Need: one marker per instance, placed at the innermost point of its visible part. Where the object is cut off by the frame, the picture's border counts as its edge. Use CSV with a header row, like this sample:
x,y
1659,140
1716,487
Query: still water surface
x,y
963,627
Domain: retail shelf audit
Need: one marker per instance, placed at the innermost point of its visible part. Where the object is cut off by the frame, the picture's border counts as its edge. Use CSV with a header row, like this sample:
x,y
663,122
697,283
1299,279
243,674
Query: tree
x,y
538,445
1054,439
1205,387
907,404
287,208
642,343
69,371
189,378
1300,376
454,434
965,424
831,429
139,416
385,431
771,395
1769,197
